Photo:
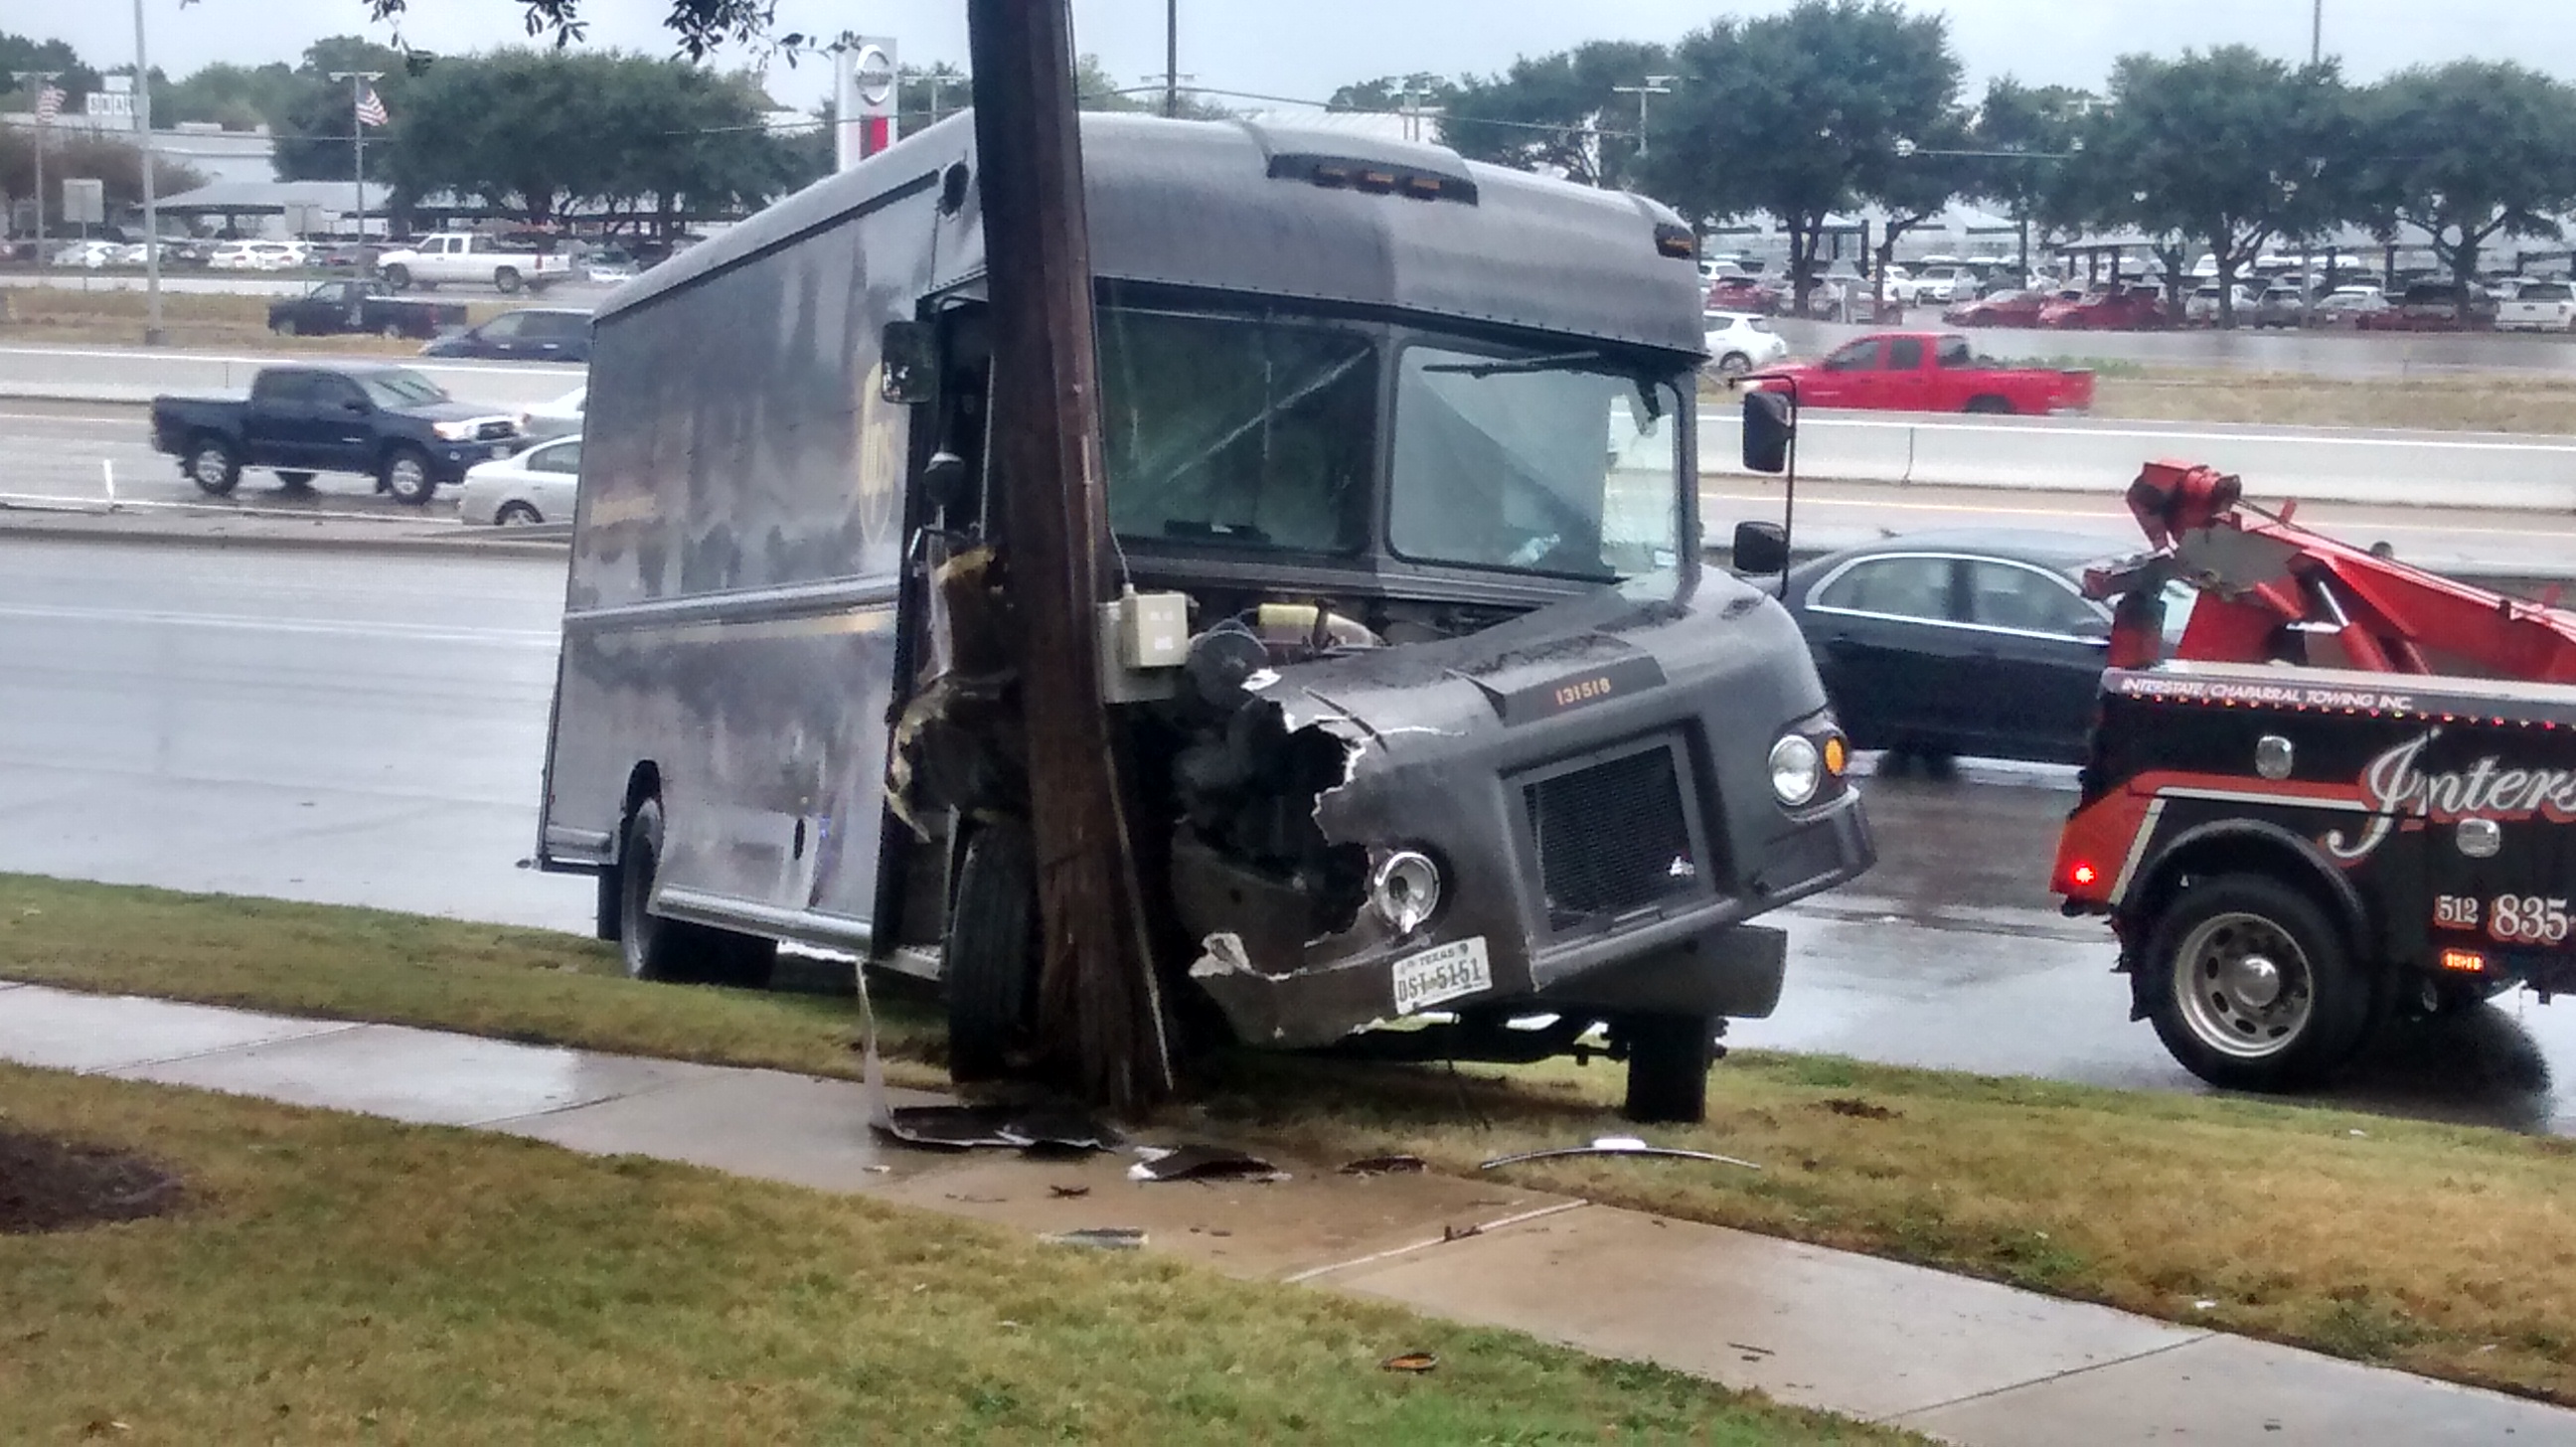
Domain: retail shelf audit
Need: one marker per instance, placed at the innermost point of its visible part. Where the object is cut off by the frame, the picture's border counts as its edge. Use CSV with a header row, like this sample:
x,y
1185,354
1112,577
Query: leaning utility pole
x,y
1100,1019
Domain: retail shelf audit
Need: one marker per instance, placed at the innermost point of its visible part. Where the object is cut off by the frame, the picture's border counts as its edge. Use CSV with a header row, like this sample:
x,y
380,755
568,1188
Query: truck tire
x,y
2251,986
1999,406
289,327
213,465
1734,364
677,951
392,331
406,475
505,280
1668,1061
398,276
990,974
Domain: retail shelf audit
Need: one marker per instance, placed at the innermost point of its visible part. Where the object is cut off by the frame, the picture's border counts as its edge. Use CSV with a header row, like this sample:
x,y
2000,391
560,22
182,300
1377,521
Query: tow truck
x,y
2351,788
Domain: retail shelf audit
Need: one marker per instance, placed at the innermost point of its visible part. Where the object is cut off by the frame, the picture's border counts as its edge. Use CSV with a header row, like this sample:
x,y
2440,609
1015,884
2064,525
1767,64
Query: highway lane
x,y
369,729
56,451
2348,355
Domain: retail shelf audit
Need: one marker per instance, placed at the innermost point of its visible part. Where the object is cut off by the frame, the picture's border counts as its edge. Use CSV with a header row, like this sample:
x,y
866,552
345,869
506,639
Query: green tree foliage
x,y
2040,181
2231,148
1386,93
20,52
1799,114
2468,152
119,163
1559,112
236,97
533,133
314,126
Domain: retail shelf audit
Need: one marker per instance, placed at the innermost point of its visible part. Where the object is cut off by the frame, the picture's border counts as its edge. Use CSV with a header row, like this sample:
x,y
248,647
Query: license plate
x,y
1444,972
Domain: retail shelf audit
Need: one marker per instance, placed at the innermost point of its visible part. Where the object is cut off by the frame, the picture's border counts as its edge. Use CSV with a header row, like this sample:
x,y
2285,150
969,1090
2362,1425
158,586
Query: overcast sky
x,y
1307,48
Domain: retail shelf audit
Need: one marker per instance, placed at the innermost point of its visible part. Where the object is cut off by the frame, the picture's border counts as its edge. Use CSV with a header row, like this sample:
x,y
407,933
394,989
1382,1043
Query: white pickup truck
x,y
467,256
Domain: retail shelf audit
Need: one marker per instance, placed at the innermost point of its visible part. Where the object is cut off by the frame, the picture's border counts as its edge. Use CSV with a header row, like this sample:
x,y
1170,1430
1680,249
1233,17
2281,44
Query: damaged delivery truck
x,y
1436,722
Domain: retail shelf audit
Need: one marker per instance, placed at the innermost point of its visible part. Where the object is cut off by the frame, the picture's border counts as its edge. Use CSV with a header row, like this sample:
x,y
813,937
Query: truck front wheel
x,y
213,466
990,971
2251,986
406,476
398,276
1668,1061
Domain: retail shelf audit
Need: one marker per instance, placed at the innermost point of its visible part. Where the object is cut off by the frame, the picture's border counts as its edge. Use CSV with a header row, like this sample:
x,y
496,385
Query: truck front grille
x,y
495,431
1615,837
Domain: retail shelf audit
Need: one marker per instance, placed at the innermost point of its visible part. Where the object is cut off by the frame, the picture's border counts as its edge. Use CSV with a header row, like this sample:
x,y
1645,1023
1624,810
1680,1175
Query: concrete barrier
x,y
2432,469
108,374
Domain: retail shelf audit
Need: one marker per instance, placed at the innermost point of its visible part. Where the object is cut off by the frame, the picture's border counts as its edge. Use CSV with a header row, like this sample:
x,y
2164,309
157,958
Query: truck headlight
x,y
455,431
1405,889
1797,769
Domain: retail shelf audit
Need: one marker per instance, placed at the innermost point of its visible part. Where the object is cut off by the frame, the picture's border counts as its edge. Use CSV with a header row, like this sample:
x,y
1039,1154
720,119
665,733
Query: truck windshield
x,y
1240,432
1561,464
397,387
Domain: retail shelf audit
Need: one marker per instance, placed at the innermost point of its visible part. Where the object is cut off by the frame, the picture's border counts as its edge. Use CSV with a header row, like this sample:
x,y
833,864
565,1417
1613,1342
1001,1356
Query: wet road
x,y
69,451
2340,354
369,729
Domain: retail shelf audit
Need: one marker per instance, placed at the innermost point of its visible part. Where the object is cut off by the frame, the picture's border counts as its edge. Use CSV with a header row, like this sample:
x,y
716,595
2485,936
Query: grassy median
x,y
2448,1250
53,316
333,1279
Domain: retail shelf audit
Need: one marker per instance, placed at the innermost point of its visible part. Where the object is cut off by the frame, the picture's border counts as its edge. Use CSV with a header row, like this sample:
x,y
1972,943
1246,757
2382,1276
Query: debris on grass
x,y
1201,1163
1410,1362
1617,1145
1103,1238
1394,1165
56,1185
1856,1108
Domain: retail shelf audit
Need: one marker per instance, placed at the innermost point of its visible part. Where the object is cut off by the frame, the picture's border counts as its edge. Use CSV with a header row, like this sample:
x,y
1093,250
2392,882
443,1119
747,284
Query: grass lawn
x,y
42,316
335,1279
2447,1250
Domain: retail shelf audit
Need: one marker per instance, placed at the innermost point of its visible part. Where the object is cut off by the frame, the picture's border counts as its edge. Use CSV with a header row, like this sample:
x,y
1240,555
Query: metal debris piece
x,y
1410,1362
1617,1145
1066,1193
1201,1163
1385,1166
1857,1108
968,1127
1103,1238
1461,1233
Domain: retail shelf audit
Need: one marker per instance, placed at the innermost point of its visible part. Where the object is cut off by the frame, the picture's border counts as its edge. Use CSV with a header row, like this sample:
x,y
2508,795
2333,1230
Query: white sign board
x,y
84,201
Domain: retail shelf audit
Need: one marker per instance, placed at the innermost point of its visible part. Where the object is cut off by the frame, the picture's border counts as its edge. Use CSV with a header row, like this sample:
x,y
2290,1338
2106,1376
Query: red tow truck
x,y
1928,372
2351,789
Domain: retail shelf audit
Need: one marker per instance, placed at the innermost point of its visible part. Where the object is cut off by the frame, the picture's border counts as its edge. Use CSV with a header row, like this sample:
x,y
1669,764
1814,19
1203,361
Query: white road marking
x,y
167,618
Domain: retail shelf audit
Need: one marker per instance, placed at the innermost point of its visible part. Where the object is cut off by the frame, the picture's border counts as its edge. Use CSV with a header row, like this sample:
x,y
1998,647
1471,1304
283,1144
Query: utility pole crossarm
x,y
1653,85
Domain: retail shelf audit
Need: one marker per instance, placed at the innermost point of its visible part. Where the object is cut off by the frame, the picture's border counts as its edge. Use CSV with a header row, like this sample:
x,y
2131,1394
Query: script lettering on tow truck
x,y
2395,787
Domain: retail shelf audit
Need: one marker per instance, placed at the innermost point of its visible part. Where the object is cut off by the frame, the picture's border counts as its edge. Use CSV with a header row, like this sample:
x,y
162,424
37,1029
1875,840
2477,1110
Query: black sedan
x,y
1938,644
530,334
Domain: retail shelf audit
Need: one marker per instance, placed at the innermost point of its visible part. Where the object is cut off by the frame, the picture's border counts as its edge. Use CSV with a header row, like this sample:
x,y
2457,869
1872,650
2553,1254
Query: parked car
x,y
1929,372
2346,305
609,264
1739,294
535,486
2432,306
343,256
389,422
2538,306
471,257
1738,342
87,255
2006,308
335,307
2124,308
530,334
558,418
1940,644
257,256
2201,307
1945,282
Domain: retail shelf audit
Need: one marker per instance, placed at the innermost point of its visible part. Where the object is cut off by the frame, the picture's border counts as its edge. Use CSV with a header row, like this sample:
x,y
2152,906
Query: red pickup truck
x,y
1929,372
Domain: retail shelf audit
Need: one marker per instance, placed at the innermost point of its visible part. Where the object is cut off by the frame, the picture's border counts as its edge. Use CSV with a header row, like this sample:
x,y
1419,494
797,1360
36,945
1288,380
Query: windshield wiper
x,y
1514,364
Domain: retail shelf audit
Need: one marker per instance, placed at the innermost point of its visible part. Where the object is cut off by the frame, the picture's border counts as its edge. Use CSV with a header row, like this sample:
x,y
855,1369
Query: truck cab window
x,y
1854,357
1231,431
1905,354
1955,353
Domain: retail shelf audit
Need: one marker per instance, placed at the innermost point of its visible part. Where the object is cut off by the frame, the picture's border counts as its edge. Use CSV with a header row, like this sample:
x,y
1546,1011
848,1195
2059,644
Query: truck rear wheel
x,y
1991,405
1668,1061
506,280
406,476
654,948
2251,986
213,466
990,974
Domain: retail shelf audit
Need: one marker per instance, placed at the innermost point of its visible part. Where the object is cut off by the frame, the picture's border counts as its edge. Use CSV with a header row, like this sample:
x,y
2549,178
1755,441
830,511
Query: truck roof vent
x,y
1422,183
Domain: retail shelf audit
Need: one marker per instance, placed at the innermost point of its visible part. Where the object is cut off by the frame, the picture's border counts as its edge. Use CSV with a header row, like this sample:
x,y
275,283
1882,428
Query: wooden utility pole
x,y
1100,1022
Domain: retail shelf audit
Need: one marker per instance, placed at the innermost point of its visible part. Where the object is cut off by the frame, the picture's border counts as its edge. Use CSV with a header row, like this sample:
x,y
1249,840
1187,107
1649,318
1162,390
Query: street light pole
x,y
358,81
2317,32
153,336
1655,85
43,79
1171,57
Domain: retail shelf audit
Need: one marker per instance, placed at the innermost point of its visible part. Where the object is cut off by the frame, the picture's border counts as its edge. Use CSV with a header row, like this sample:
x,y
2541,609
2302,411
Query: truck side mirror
x,y
943,480
1761,549
1769,425
907,354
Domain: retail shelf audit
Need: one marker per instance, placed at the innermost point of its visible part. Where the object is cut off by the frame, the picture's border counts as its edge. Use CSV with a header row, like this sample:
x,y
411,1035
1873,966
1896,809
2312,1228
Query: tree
x,y
117,162
1558,113
1387,92
2038,174
1799,114
2231,148
20,52
1928,175
314,122
2467,152
236,97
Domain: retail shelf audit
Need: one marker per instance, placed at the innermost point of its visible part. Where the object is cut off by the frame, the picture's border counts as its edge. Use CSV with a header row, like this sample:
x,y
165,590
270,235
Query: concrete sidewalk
x,y
1966,1360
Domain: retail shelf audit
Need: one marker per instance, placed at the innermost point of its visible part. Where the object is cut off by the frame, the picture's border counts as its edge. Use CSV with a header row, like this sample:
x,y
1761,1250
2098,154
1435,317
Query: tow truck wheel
x,y
654,948
1668,1061
991,971
2250,985
213,467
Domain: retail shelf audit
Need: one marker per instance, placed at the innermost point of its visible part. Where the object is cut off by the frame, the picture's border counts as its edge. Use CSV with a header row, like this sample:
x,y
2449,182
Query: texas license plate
x,y
1444,972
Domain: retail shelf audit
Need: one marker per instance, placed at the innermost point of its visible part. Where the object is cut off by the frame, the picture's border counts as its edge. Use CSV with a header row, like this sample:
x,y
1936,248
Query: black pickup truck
x,y
390,423
334,307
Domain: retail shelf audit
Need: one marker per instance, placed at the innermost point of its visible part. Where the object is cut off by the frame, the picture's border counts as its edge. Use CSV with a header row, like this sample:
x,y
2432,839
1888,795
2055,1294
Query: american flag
x,y
371,108
49,104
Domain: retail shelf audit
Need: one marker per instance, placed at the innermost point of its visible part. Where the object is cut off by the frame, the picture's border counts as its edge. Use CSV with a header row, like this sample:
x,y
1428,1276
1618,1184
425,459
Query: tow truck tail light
x,y
2084,875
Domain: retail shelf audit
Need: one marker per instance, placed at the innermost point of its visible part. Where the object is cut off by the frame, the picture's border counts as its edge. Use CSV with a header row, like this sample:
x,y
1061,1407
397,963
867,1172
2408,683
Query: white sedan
x,y
536,486
1738,342
558,418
